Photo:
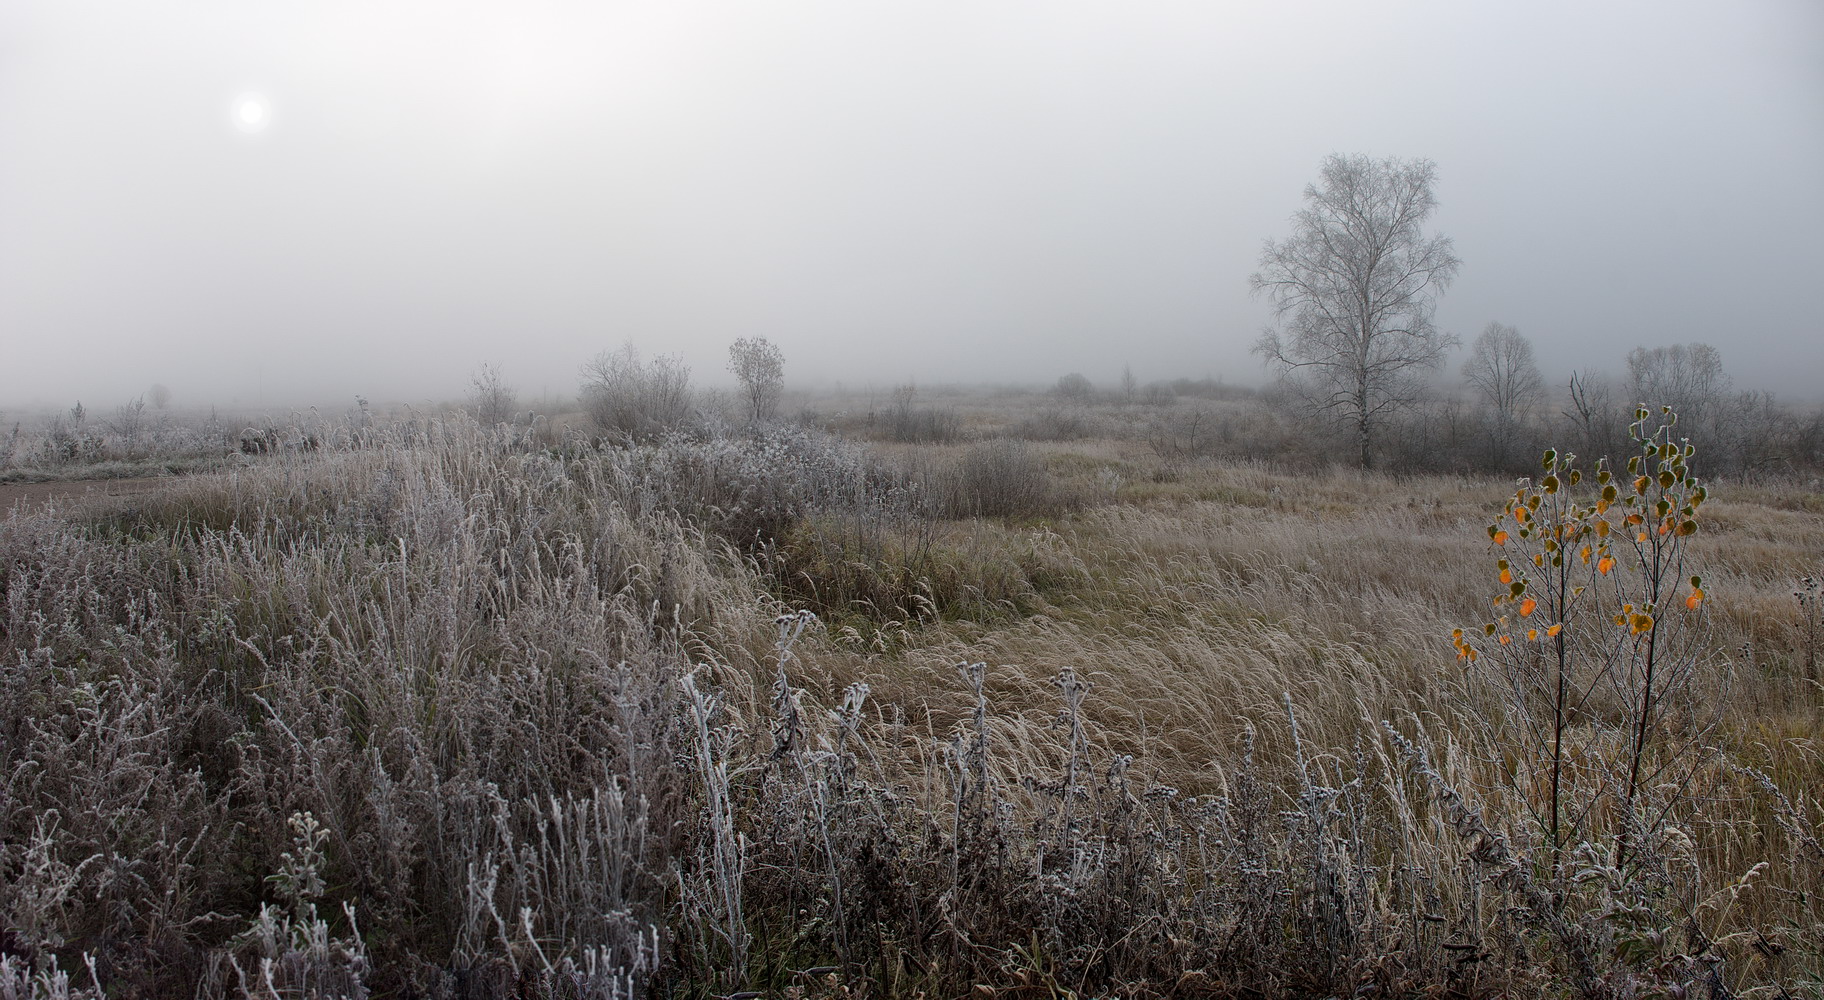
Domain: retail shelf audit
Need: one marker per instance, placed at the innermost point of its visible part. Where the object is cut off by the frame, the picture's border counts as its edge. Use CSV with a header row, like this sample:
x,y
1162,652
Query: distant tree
x,y
1593,415
1506,381
1130,387
491,399
1689,378
1075,388
1761,435
1354,289
158,396
760,367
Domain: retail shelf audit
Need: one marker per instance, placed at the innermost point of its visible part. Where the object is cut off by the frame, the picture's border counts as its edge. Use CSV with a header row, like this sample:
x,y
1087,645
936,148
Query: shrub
x,y
1003,478
491,399
636,401
909,424
1599,629
745,490
1075,388
1054,423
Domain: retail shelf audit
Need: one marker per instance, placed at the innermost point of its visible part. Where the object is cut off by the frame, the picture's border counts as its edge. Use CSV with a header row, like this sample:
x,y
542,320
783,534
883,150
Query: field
x,y
920,695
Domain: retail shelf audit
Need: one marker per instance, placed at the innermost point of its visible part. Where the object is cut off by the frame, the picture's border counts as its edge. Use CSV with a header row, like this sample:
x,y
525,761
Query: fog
x,y
264,203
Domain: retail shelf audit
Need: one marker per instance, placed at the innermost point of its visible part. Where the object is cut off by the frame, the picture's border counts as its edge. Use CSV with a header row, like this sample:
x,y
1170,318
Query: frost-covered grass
x,y
446,711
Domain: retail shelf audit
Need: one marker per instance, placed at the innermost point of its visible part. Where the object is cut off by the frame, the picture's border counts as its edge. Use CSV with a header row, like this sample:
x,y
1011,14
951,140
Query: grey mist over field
x,y
269,203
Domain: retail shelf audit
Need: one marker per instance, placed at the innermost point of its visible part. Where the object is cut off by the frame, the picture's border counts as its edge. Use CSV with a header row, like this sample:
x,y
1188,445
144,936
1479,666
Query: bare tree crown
x,y
1506,381
1354,287
759,365
1687,377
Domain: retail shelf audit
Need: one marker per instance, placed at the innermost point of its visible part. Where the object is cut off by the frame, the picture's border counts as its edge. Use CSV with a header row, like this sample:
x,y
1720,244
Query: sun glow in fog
x,y
252,113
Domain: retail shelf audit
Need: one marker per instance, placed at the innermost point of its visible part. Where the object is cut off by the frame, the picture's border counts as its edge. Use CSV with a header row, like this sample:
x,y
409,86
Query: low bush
x,y
1003,478
634,400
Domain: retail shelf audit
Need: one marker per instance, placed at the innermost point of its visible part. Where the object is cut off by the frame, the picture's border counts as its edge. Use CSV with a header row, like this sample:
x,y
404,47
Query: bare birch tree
x,y
1354,289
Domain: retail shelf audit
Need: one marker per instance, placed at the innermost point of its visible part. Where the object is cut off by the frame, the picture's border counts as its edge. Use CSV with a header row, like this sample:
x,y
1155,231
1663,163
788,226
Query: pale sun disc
x,y
251,112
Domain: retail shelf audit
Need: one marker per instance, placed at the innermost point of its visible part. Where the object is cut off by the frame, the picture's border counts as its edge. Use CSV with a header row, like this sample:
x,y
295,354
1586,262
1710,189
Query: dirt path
x,y
26,497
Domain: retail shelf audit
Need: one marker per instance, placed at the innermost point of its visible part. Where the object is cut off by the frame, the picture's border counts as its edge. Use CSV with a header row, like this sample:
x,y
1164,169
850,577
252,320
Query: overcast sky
x,y
890,191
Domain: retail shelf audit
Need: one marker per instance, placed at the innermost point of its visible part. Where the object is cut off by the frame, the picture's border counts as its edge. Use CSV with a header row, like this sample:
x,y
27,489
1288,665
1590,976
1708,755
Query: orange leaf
x,y
1504,640
1507,576
1532,633
1696,598
1500,538
1555,629
1605,564
1527,606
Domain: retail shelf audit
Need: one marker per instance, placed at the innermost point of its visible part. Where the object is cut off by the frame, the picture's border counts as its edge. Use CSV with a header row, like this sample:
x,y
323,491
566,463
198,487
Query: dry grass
x,y
456,716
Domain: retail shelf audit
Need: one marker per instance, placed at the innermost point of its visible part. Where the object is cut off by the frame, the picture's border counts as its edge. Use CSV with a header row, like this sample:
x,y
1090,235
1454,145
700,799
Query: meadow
x,y
918,694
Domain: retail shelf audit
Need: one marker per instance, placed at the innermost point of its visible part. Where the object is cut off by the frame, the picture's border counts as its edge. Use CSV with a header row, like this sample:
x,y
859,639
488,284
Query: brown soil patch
x,y
26,497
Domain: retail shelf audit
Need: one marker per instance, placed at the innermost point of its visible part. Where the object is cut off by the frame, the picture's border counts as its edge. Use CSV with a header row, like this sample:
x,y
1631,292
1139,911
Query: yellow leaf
x,y
1586,555
1602,529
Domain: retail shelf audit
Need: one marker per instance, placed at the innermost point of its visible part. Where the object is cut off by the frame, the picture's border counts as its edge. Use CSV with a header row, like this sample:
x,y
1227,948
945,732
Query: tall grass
x,y
450,716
